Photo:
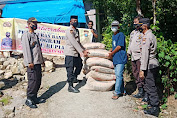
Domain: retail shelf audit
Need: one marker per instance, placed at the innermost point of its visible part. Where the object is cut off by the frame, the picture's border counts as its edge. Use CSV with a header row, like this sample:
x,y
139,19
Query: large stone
x,y
6,63
23,71
8,75
2,72
19,77
26,77
48,57
6,54
15,69
1,62
48,65
12,61
3,59
9,67
2,67
2,84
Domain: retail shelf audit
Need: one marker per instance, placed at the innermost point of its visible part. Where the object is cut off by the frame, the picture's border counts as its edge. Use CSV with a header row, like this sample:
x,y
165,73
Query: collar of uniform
x,y
148,31
72,28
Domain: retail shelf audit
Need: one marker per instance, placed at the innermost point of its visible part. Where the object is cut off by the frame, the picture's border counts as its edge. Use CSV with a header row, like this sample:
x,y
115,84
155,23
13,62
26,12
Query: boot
x,y
140,94
153,111
72,89
30,103
145,98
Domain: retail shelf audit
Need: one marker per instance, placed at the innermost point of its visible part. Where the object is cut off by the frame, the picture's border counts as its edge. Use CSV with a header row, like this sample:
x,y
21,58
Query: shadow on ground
x,y
53,90
81,83
9,83
59,65
130,87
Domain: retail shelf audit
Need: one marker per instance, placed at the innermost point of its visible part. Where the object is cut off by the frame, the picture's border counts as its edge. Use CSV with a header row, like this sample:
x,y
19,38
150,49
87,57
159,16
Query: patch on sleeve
x,y
144,41
71,31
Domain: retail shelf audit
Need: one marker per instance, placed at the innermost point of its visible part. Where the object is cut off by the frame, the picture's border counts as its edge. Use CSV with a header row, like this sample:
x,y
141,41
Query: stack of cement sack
x,y
98,68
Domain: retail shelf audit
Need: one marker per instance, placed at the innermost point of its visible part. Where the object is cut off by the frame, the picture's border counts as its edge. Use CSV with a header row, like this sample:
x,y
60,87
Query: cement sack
x,y
95,85
95,61
94,46
98,53
102,69
102,76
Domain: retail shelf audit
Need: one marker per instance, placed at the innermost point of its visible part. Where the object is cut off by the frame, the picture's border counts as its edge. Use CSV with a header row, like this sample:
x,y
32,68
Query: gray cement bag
x,y
98,53
95,85
94,46
102,69
95,61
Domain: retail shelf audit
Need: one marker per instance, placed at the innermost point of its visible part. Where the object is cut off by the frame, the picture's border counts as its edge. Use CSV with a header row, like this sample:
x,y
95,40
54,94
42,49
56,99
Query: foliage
x,y
6,100
164,29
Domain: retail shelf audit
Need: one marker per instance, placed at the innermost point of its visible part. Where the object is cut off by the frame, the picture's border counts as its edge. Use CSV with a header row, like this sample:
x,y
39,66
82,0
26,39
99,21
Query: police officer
x,y
73,51
149,66
32,59
134,51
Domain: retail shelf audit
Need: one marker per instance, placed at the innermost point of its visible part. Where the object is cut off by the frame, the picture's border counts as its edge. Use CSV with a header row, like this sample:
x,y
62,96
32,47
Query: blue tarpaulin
x,y
52,11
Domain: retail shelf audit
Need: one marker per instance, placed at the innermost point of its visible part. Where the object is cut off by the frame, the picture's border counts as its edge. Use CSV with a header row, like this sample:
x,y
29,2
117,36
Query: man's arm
x,y
26,49
145,54
94,33
73,41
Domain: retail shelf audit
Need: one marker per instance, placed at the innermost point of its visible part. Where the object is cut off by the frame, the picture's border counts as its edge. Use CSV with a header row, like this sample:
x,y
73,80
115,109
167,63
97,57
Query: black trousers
x,y
150,86
34,81
136,69
73,67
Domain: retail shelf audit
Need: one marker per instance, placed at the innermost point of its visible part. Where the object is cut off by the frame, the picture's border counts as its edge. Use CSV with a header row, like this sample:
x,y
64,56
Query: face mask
x,y
7,35
114,29
34,27
75,24
135,26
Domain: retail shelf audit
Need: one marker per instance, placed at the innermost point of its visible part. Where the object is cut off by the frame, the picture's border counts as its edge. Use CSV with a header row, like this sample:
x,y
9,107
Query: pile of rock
x,y
14,67
98,68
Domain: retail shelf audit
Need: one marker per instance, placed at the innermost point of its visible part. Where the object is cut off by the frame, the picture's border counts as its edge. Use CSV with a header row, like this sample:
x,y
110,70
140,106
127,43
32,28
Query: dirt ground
x,y
62,104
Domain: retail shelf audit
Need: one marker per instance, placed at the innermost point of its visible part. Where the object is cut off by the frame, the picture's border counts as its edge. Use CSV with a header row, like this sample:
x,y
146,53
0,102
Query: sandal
x,y
115,97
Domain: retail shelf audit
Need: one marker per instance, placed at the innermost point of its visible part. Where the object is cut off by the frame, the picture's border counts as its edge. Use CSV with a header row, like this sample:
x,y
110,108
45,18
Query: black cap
x,y
32,19
144,21
74,17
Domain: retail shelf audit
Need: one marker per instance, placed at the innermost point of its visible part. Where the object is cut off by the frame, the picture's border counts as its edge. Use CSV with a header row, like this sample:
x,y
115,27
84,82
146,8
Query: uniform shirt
x,y
148,54
31,49
6,42
73,46
119,57
93,38
135,45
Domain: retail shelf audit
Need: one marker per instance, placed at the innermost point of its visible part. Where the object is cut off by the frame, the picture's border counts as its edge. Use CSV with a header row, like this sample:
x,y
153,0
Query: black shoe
x,y
75,80
145,99
39,101
72,89
30,103
153,111
140,94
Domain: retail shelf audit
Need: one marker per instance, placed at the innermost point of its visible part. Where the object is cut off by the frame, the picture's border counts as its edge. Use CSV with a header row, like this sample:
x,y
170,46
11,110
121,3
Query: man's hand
x,y
84,53
43,64
31,65
110,55
141,74
92,31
